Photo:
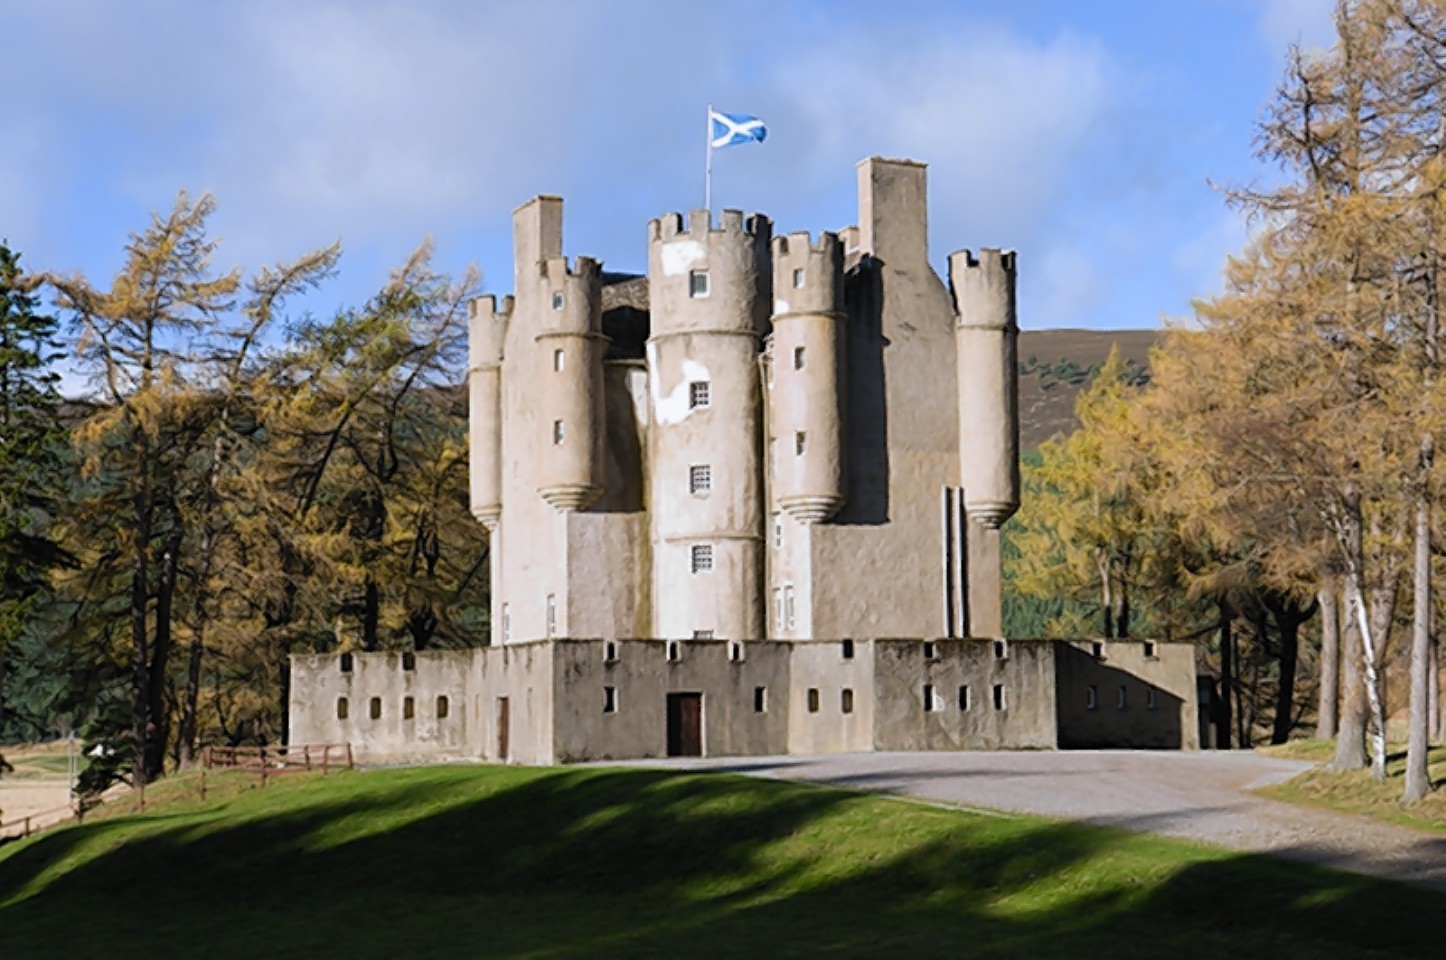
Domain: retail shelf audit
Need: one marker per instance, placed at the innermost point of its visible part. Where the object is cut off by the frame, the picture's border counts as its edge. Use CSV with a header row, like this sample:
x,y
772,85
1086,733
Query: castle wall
x,y
1127,694
831,708
522,675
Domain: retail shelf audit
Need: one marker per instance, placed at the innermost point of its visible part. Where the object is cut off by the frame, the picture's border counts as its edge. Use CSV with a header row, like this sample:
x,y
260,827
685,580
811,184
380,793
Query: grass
x,y
1356,792
572,863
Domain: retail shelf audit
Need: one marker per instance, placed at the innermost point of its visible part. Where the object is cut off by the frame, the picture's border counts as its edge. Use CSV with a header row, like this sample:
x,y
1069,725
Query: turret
x,y
808,368
709,297
986,341
486,333
569,385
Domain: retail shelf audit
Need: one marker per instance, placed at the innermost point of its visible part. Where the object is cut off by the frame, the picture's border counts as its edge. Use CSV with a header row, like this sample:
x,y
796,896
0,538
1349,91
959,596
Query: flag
x,y
734,128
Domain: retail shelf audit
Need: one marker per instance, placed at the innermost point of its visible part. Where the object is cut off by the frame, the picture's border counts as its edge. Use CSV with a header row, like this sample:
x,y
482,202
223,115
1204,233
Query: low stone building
x,y
765,447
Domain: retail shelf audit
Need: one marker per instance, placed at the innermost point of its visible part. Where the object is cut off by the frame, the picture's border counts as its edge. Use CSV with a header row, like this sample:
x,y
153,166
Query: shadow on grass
x,y
456,862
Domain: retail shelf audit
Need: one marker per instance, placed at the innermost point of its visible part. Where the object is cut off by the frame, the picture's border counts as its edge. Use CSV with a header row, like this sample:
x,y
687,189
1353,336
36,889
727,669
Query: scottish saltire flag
x,y
734,128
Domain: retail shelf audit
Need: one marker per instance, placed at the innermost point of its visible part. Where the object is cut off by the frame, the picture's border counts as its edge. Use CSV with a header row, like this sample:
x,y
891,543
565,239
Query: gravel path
x,y
1198,796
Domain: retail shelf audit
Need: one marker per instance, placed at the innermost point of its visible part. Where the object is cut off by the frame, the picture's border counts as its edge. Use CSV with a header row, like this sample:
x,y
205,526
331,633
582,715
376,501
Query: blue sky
x,y
1083,134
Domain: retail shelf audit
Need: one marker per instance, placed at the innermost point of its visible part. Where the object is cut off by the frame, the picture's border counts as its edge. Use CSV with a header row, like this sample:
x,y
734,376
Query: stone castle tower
x,y
783,438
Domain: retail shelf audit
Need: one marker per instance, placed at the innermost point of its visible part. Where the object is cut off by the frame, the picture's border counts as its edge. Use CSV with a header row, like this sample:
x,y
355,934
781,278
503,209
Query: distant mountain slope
x,y
1054,365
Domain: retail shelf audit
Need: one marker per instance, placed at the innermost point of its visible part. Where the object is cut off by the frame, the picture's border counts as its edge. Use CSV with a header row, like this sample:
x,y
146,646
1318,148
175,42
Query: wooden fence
x,y
272,761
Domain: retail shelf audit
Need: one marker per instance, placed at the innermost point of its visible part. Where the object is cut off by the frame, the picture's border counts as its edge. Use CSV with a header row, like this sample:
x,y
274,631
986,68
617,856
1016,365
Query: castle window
x,y
346,663
964,699
788,620
1001,649
557,361
999,696
813,699
557,433
772,457
797,279
444,707
506,622
929,705
848,649
610,699
777,610
800,441
702,634
1120,698
700,394
610,651
557,301
1092,697
375,708
700,478
735,649
1151,703
674,652
1151,651
409,708
778,531
341,708
798,358
931,650
409,660
701,558
760,699
552,614
1097,650
846,700
698,284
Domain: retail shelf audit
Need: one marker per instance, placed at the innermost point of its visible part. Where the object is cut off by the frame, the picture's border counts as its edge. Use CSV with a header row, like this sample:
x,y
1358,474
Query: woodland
x,y
239,483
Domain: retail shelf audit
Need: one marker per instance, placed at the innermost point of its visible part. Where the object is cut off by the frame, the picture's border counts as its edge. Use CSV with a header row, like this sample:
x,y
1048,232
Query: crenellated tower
x,y
486,333
807,369
569,383
709,292
987,350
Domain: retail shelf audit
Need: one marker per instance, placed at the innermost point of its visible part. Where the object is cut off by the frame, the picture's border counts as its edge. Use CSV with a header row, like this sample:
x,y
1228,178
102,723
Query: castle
x,y
717,494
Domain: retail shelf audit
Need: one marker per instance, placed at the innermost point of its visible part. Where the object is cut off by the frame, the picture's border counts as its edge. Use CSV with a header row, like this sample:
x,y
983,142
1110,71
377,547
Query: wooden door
x,y
504,729
685,724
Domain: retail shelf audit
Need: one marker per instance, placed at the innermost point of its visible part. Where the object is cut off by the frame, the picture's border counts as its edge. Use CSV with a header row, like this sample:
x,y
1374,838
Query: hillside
x,y
1046,399
574,862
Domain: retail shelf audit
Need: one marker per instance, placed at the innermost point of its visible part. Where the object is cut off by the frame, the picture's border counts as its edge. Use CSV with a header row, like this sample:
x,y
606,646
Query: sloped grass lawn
x,y
1356,792
572,863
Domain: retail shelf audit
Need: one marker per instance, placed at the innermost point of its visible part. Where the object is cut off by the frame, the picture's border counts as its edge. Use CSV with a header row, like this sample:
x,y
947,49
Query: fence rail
x,y
270,761
36,822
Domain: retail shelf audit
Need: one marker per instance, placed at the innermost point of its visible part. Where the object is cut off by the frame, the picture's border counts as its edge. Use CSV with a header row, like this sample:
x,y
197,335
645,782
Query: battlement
x,y
807,274
487,322
700,226
556,270
983,285
571,295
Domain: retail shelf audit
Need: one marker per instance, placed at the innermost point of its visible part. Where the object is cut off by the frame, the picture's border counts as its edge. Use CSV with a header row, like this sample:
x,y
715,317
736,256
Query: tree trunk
x,y
1223,720
1351,735
1418,777
1289,627
140,601
1330,662
160,714
1434,688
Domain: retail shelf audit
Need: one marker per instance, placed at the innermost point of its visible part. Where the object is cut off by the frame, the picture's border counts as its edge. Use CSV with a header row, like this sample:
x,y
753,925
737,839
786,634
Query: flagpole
x,y
708,166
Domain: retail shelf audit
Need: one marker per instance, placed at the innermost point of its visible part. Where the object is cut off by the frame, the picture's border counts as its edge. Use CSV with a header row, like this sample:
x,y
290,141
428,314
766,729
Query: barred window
x,y
700,478
702,558
700,394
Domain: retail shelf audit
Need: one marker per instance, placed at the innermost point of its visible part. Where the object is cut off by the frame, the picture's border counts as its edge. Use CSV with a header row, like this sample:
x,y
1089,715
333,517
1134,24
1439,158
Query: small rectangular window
x,y
557,361
735,649
341,708
846,700
700,478
610,699
506,622
931,650
848,649
1001,649
702,634
701,558
444,707
1092,697
409,708
374,709
777,610
698,284
928,698
1120,698
964,699
552,614
409,660
797,279
798,358
674,652
610,651
999,696
557,433
1151,702
346,663
760,699
1151,651
557,301
1097,650
813,699
800,443
700,394
788,618
778,531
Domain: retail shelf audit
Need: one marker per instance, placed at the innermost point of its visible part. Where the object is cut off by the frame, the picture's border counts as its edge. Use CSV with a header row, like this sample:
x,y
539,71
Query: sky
x,y
1085,135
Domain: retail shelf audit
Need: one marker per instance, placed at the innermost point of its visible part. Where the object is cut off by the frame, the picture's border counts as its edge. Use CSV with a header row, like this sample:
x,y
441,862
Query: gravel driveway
x,y
1197,796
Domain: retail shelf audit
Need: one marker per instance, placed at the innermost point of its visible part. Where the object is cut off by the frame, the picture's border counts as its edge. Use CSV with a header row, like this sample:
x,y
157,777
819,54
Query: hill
x,y
575,862
1054,365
